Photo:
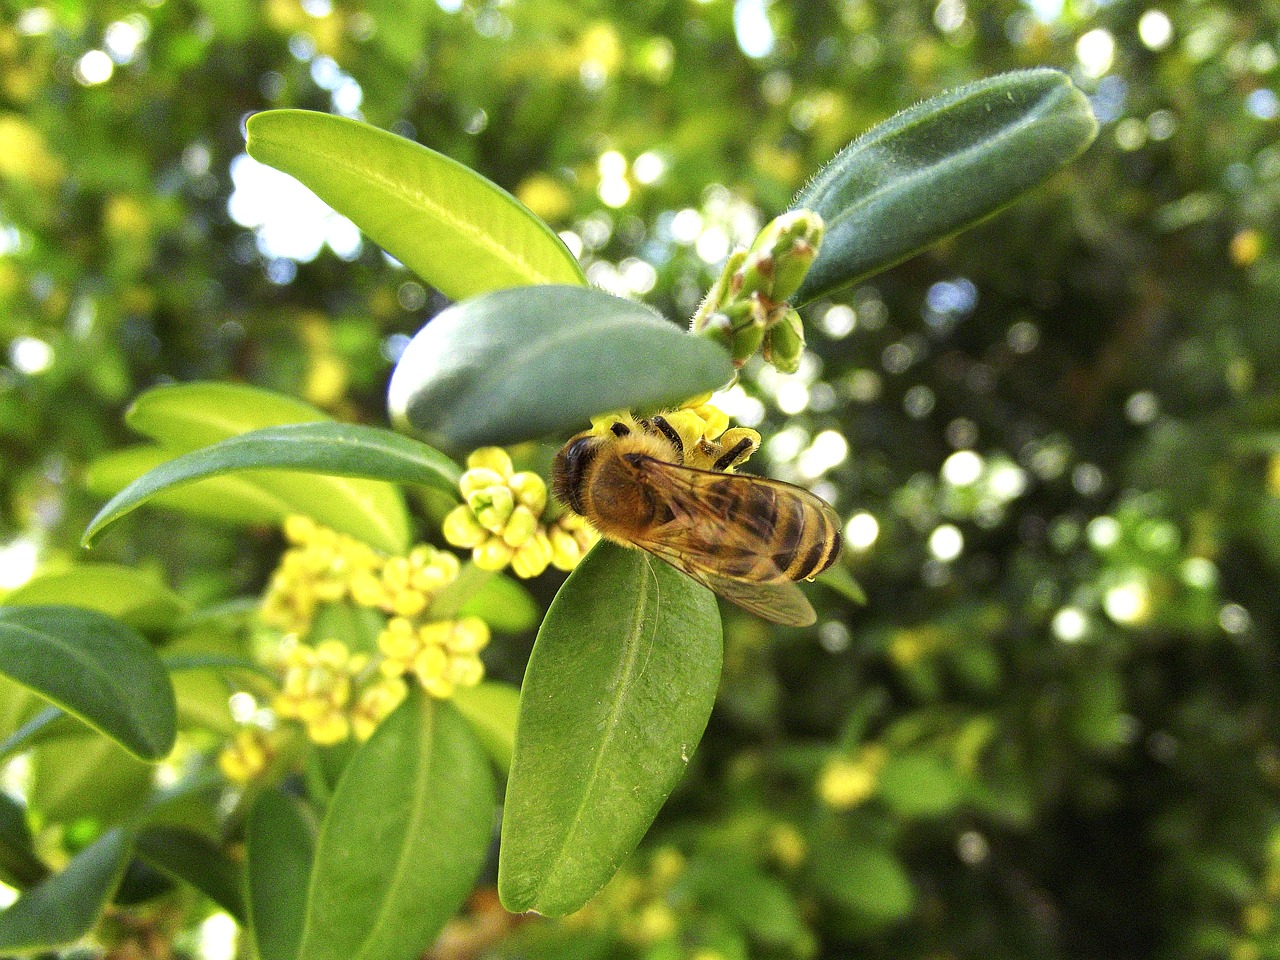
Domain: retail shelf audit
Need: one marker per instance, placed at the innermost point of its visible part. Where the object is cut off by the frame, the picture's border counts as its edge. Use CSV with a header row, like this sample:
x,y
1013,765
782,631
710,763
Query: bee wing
x,y
724,533
781,603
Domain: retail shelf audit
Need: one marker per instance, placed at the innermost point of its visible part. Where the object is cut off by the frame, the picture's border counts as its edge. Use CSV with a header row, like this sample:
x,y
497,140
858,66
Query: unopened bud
x,y
492,506
531,490
461,528
784,251
520,528
479,478
492,458
784,344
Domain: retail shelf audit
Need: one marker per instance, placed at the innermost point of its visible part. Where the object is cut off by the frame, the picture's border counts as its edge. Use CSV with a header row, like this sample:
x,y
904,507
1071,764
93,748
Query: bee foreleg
x,y
737,452
667,430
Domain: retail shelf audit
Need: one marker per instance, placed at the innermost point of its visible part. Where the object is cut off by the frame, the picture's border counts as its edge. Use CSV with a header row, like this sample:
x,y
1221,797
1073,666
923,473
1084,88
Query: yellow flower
x,y
500,518
242,760
845,783
375,704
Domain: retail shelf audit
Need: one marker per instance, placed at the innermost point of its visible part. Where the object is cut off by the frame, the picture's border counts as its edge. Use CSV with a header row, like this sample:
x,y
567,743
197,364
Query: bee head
x,y
569,467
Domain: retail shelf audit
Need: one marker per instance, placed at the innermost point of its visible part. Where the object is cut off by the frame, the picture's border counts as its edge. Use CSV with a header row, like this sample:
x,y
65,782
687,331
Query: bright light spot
x,y
1046,11
612,165
1234,618
861,531
740,406
17,563
94,67
1155,30
1199,572
686,225
1142,407
649,167
35,21
1070,624
962,468
291,222
1103,532
8,895
30,355
449,6
317,8
1007,481
712,245
792,397
1128,603
218,937
838,322
572,241
785,445
829,449
10,239
1096,51
348,97
639,275
614,192
243,706
948,16
752,28
1263,103
972,847
946,542
122,40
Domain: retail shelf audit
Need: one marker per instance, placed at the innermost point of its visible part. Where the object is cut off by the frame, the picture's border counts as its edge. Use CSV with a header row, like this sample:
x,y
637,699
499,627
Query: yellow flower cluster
x,y
500,520
248,755
324,566
845,782
703,428
443,656
317,690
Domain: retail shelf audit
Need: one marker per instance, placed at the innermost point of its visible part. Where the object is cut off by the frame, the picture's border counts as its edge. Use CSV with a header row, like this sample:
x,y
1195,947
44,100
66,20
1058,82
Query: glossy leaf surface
x,y
336,450
194,858
403,839
539,361
280,848
136,598
615,699
66,906
939,167
95,668
460,232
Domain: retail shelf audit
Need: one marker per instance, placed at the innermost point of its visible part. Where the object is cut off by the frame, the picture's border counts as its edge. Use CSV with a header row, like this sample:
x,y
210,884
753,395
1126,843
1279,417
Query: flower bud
x,y
782,254
530,490
461,528
784,344
478,479
491,458
493,554
492,506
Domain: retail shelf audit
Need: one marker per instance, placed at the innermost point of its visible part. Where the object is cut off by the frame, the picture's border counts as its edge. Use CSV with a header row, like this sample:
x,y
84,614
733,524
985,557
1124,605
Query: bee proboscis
x,y
747,538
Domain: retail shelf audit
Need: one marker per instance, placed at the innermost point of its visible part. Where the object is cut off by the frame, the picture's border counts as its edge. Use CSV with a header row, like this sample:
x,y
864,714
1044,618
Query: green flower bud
x,y
492,506
783,253
784,344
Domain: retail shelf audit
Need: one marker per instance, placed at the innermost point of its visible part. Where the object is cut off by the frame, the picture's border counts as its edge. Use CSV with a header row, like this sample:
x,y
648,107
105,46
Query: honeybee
x,y
747,538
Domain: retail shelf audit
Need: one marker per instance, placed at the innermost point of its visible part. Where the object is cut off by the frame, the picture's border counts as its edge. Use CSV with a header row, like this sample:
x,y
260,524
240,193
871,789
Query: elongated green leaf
x,y
66,906
87,775
95,668
863,881
49,724
520,364
186,417
755,901
227,499
939,167
340,449
281,847
403,839
131,596
491,708
458,231
194,858
615,698
19,864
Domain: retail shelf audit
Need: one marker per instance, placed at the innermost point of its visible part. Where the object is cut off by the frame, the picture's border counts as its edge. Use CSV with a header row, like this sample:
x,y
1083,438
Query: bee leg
x,y
619,429
735,453
667,430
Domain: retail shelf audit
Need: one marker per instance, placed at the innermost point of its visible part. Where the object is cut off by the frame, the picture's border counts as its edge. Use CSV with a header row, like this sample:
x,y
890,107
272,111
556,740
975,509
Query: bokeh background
x,y
1055,438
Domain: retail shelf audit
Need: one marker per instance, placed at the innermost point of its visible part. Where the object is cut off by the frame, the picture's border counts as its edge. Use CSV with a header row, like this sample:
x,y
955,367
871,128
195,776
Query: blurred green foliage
x,y
1052,732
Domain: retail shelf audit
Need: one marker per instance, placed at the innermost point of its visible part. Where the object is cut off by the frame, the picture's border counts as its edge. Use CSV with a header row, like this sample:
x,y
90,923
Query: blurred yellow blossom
x,y
845,783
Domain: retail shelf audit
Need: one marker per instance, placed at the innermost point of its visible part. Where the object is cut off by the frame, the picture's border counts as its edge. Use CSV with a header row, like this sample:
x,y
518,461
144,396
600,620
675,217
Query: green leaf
x,y
863,881
19,864
86,776
280,848
753,900
921,785
136,598
939,167
841,581
503,604
491,708
403,839
616,696
95,668
227,499
521,364
197,860
458,231
67,906
49,724
186,417
340,449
